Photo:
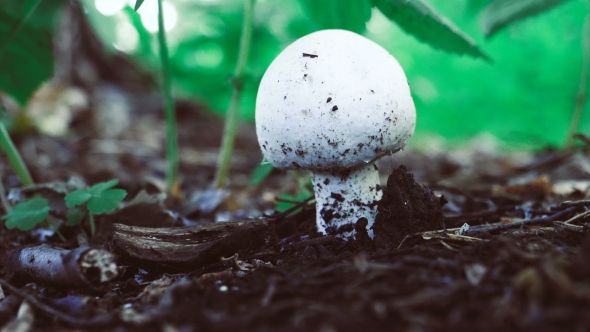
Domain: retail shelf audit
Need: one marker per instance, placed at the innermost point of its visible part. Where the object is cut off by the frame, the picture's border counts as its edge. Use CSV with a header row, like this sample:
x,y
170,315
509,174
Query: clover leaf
x,y
27,215
100,198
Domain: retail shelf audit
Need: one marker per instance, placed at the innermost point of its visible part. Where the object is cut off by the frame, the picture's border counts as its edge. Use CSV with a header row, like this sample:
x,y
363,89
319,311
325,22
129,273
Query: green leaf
x,y
102,186
338,14
29,8
77,197
284,206
106,201
260,173
27,215
501,13
75,217
418,19
138,4
100,197
27,57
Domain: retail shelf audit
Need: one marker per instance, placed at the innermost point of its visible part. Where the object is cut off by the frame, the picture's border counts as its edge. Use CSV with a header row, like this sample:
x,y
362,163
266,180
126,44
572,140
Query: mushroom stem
x,y
344,197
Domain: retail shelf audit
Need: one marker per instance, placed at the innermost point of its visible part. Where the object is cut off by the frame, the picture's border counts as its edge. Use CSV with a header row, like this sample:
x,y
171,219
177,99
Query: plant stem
x,y
14,157
581,96
231,119
92,225
29,8
171,136
3,199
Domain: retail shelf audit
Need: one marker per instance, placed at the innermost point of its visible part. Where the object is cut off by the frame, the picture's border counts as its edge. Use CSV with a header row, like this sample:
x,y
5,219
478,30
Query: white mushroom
x,y
334,102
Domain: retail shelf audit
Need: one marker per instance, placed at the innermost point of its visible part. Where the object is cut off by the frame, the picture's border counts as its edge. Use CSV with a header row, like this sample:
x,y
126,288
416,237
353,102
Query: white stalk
x,y
343,197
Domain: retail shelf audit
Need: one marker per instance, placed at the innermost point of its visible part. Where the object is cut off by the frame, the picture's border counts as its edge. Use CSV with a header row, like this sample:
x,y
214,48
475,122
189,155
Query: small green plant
x,y
100,198
171,132
231,119
25,216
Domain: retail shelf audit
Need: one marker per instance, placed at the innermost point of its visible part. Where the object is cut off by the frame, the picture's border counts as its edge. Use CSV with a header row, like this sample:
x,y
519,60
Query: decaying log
x,y
191,246
56,266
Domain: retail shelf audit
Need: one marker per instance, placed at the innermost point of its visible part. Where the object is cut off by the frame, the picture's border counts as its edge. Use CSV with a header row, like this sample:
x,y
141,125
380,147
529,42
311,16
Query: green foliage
x,y
26,57
287,201
338,14
418,19
100,198
27,215
138,4
501,13
525,98
260,173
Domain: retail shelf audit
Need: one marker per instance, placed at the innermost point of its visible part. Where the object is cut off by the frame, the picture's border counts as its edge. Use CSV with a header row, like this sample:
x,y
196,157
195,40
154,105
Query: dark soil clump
x,y
406,208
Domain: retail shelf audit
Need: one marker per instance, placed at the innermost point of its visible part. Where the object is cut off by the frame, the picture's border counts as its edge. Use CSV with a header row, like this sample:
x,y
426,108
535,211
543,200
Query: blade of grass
x,y
29,8
231,118
582,86
171,136
14,157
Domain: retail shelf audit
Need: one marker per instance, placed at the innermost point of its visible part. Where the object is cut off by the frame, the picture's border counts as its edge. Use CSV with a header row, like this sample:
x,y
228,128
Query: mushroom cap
x,y
333,100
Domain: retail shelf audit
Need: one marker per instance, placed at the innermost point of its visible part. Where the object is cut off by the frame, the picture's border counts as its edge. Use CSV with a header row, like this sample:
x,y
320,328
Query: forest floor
x,y
497,242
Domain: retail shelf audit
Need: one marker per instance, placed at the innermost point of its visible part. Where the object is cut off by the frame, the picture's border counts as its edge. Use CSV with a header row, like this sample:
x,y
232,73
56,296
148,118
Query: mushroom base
x,y
344,197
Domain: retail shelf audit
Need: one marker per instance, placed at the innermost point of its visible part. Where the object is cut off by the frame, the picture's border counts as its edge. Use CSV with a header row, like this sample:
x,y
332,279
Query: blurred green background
x,y
525,97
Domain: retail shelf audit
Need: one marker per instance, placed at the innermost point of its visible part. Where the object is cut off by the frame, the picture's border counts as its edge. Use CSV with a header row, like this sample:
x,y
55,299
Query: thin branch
x,y
450,233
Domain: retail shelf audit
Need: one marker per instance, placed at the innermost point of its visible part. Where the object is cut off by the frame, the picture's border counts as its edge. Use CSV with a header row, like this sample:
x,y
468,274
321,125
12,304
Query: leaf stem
x,y
231,119
92,225
171,135
14,157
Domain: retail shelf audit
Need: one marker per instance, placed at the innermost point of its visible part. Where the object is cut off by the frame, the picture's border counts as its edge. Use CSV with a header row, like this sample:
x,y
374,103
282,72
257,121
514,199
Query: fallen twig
x,y
583,202
453,233
70,268
579,216
500,226
451,236
568,226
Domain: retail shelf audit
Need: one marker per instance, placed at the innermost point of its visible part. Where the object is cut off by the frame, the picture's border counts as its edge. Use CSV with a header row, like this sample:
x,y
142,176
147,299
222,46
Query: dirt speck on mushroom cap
x,y
375,113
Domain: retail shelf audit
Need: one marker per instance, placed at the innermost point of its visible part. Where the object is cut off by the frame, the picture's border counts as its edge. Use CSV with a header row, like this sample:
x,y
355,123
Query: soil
x,y
514,268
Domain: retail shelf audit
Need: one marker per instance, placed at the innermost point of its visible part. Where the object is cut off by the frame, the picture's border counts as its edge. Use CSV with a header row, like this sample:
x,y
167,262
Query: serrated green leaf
x,y
74,217
501,13
27,57
106,201
27,215
338,14
138,4
420,20
77,197
260,173
100,187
